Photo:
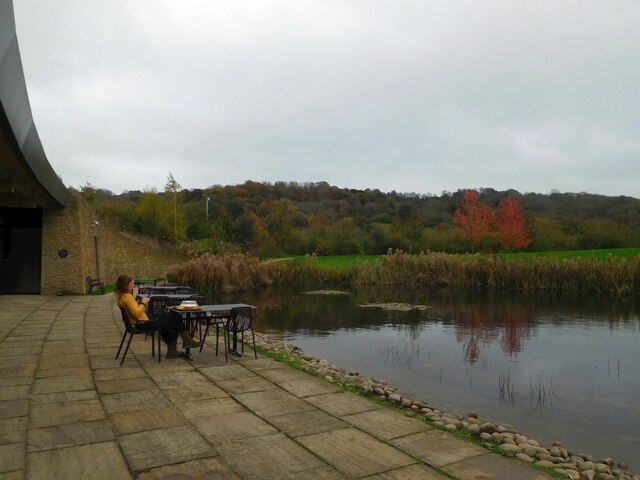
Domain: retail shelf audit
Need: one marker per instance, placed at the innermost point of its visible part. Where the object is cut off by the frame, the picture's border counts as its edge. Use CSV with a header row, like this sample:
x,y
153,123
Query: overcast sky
x,y
413,96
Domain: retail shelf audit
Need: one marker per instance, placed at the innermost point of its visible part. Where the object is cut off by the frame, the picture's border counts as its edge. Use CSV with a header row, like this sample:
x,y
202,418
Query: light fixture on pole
x,y
94,225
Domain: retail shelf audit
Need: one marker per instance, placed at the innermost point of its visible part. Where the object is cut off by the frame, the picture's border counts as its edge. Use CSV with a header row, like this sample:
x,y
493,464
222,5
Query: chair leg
x,y
217,337
202,339
159,347
253,336
121,343
225,338
124,355
153,343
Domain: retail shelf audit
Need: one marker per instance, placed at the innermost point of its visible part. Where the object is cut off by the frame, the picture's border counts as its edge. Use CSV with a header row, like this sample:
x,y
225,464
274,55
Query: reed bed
x,y
613,276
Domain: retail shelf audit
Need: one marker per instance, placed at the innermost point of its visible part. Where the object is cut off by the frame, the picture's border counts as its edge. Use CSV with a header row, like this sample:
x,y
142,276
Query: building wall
x,y
61,231
117,252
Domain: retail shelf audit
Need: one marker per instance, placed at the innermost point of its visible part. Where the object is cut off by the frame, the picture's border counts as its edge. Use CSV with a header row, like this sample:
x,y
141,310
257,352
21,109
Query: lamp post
x,y
94,225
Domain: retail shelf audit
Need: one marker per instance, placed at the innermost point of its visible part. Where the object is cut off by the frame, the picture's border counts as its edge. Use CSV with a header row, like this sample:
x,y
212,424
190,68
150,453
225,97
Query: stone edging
x,y
573,465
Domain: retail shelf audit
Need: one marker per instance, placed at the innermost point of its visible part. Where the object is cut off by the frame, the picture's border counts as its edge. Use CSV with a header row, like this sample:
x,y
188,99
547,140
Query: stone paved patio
x,y
68,410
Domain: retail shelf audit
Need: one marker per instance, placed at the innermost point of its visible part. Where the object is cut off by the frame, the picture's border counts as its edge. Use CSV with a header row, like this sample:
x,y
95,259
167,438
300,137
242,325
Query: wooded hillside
x,y
293,218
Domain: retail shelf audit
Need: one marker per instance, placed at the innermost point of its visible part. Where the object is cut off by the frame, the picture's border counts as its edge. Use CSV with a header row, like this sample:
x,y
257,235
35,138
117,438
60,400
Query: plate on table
x,y
188,305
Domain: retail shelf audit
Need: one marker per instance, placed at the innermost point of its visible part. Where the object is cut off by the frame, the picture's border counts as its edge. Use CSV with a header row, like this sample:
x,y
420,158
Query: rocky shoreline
x,y
555,456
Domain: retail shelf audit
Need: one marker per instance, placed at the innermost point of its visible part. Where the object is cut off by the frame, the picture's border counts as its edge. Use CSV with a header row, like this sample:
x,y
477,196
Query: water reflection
x,y
537,362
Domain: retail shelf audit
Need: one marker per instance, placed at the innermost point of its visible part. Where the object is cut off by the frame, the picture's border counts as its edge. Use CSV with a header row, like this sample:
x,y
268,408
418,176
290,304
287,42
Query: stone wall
x,y
61,233
72,229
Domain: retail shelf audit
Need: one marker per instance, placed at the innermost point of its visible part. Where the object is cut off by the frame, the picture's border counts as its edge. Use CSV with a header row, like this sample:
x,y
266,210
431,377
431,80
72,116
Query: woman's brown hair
x,y
122,284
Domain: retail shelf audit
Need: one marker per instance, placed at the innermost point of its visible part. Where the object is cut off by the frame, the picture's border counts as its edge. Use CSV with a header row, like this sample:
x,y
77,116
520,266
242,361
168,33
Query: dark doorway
x,y
20,250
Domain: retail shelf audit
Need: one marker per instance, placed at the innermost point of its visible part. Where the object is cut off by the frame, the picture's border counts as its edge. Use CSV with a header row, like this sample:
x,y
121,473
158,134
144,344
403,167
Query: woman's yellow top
x,y
135,310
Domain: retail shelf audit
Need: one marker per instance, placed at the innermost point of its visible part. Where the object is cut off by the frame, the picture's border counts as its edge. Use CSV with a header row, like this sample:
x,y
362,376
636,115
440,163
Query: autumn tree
x,y
474,218
511,222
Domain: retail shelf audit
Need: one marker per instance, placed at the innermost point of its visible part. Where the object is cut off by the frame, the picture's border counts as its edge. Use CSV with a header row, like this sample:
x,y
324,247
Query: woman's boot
x,y
188,341
172,350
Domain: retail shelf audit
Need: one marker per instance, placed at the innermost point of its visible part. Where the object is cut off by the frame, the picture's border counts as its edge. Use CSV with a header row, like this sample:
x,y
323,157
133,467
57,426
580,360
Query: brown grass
x,y
615,276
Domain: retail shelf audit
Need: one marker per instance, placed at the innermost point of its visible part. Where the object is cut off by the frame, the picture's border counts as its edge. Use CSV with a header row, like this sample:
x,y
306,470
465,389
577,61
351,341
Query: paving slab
x,y
119,373
210,407
141,400
355,453
232,427
9,351
280,375
491,465
226,372
98,461
412,472
13,430
308,387
246,384
66,435
181,394
62,384
438,448
271,403
202,469
262,363
125,385
11,457
271,456
64,360
163,367
154,448
15,392
307,423
341,404
50,414
17,370
386,424
15,475
64,397
17,381
109,361
132,421
13,408
63,371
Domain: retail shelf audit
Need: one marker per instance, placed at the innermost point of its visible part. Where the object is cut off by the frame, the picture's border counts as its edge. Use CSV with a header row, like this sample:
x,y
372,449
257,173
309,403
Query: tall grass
x,y
615,275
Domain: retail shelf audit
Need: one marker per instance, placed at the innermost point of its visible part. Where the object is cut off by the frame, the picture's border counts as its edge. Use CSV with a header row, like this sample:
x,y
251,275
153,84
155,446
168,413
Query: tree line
x,y
265,218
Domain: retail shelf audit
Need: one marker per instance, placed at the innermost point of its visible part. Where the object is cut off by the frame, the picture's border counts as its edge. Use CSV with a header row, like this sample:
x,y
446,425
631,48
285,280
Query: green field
x,y
346,261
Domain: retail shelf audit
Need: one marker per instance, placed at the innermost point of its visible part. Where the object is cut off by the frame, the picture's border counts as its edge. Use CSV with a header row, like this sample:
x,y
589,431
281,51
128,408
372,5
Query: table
x,y
145,281
221,310
165,289
174,297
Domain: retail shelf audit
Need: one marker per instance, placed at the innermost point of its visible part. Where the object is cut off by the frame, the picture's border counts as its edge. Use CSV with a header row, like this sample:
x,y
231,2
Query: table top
x,y
148,280
166,288
220,309
167,294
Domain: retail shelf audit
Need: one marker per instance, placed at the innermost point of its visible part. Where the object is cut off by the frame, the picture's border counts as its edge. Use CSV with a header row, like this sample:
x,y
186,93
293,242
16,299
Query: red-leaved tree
x,y
511,222
474,218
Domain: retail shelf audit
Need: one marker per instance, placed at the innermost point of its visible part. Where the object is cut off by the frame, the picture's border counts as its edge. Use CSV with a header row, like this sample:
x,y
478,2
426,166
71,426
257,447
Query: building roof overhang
x,y
27,179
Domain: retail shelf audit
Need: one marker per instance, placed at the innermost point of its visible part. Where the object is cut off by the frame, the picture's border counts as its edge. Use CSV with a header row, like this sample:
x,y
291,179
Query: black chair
x,y
240,320
182,290
158,305
149,327
217,321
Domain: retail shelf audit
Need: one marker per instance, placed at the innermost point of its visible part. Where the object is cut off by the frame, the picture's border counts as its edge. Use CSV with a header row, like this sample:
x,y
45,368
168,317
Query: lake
x,y
557,368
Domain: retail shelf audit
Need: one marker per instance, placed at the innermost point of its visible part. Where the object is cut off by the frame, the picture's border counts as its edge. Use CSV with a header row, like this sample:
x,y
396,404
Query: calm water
x,y
559,369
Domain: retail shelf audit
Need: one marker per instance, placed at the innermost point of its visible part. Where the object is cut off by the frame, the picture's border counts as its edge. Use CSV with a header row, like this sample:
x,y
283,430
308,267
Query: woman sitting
x,y
169,326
